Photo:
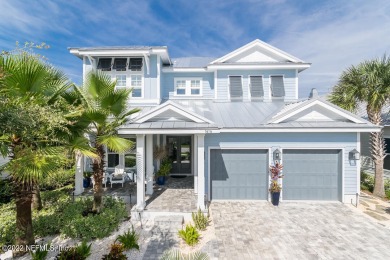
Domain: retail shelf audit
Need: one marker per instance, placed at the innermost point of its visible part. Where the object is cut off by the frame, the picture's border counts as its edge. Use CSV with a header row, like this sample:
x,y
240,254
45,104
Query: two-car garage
x,y
242,174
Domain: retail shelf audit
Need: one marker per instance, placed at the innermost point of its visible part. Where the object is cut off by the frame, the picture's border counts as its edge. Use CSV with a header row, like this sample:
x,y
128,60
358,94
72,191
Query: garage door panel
x,y
238,174
311,174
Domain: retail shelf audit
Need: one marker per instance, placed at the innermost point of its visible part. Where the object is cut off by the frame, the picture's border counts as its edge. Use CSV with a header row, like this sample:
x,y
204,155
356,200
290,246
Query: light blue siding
x,y
167,84
223,82
150,81
346,141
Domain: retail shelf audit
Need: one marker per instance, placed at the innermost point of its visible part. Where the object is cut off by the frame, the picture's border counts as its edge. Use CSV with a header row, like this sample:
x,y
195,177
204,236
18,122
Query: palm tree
x,y
105,108
33,126
367,84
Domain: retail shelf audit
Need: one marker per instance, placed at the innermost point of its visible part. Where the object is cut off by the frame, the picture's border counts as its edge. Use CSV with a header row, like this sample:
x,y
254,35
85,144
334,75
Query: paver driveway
x,y
257,230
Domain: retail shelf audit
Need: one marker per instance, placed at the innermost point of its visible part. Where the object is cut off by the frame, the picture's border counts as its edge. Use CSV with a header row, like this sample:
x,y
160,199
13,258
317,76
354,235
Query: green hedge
x,y
63,216
367,183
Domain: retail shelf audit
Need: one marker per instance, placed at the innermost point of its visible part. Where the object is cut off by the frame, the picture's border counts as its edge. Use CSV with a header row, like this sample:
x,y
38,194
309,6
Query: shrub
x,y
190,235
59,179
129,239
366,181
6,191
8,224
40,253
116,253
175,254
80,252
200,220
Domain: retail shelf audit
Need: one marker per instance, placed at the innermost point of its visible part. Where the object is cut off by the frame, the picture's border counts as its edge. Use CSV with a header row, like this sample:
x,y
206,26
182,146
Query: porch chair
x,y
104,181
118,176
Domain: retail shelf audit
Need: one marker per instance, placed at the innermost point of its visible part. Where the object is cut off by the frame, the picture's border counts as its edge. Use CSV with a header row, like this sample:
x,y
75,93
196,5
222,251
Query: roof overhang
x,y
120,52
298,66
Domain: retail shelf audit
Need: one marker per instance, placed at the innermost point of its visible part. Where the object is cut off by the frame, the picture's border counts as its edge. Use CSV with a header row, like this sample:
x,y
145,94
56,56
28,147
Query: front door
x,y
179,152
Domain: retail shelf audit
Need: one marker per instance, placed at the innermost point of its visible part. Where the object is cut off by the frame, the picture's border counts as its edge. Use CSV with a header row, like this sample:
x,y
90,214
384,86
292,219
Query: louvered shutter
x,y
277,86
235,86
256,86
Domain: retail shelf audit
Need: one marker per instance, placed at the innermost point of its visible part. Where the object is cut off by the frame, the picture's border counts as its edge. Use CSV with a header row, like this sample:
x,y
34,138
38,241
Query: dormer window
x,y
120,64
104,64
235,87
256,87
277,86
135,64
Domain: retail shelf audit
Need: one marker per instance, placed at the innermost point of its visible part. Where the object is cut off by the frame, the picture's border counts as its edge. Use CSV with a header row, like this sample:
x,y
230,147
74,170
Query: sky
x,y
330,34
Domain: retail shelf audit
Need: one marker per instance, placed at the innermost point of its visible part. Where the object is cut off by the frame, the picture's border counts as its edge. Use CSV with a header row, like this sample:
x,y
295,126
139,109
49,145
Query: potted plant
x,y
87,179
165,169
275,187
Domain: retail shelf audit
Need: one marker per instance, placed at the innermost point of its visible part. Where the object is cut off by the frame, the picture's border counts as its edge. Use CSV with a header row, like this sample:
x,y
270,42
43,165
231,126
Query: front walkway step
x,y
167,224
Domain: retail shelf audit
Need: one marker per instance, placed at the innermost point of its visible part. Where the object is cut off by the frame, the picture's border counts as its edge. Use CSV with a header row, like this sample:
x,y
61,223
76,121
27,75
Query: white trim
x,y
142,87
169,105
146,61
144,102
161,131
201,172
169,70
188,88
296,84
358,164
216,84
260,44
158,78
257,66
291,112
299,130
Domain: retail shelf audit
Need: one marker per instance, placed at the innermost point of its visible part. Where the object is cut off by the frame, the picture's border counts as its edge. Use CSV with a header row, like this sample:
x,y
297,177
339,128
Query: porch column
x,y
78,187
201,173
195,164
140,172
149,164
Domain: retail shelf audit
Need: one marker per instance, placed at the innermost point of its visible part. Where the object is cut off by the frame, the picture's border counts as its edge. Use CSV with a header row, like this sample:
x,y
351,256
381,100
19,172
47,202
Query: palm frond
x,y
115,143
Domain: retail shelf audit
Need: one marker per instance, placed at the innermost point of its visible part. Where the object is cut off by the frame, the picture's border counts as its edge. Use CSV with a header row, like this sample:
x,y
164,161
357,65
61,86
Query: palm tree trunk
x,y
98,166
37,201
24,229
378,153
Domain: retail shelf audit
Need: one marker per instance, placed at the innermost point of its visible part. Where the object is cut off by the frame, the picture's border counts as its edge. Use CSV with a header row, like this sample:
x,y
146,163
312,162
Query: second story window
x,y
104,64
277,86
120,81
188,87
136,84
135,64
120,64
256,87
235,87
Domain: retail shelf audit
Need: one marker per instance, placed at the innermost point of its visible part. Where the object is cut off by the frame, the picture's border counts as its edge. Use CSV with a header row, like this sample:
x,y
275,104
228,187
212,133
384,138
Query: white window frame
x,y
188,87
120,86
137,87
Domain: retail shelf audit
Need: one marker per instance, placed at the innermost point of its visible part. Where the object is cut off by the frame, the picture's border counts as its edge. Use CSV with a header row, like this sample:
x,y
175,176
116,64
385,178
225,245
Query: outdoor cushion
x,y
117,176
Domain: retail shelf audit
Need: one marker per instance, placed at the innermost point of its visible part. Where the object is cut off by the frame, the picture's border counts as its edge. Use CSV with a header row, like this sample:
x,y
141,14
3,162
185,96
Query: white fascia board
x,y
261,44
300,67
103,53
175,108
184,70
301,130
320,103
164,131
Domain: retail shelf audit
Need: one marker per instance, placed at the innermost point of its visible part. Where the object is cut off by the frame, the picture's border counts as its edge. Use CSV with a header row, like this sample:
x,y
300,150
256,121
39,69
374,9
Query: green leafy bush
x,y
366,181
190,235
116,253
6,191
80,252
8,224
40,253
175,254
59,179
200,220
129,239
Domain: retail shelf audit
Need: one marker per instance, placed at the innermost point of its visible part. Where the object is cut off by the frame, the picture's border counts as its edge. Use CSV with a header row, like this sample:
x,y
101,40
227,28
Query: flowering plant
x,y
276,173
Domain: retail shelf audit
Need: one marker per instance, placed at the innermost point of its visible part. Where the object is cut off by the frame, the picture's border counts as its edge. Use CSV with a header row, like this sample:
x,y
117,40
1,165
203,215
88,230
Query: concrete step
x,y
167,224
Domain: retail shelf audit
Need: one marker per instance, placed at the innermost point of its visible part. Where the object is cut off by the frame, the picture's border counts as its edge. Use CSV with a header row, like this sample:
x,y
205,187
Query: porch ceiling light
x,y
276,155
354,154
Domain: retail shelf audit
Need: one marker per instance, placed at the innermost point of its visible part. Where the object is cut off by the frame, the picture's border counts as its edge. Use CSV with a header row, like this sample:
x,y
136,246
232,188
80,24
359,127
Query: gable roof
x,y
260,45
174,111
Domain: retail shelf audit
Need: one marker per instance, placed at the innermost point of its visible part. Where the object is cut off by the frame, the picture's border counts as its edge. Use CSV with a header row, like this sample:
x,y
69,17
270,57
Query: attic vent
x,y
256,87
277,86
235,87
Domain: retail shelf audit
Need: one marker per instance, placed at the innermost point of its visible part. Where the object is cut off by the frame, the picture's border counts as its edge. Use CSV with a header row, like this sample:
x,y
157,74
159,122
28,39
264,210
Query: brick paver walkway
x,y
257,230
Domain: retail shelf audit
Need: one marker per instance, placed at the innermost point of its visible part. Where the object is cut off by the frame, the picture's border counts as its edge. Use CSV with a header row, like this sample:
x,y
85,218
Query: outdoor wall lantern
x,y
277,155
354,154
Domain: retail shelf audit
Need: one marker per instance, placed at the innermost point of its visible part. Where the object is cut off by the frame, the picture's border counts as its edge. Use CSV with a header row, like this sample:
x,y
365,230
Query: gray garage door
x,y
312,174
238,174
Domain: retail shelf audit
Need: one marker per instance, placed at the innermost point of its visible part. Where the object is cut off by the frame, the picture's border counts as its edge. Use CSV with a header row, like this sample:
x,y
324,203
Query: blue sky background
x,y
331,35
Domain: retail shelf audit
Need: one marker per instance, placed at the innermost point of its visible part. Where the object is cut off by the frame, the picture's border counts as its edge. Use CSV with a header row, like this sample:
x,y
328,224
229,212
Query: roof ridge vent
x,y
313,93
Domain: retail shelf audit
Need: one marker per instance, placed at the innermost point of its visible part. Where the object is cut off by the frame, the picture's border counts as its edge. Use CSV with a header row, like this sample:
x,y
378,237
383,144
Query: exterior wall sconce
x,y
277,155
354,154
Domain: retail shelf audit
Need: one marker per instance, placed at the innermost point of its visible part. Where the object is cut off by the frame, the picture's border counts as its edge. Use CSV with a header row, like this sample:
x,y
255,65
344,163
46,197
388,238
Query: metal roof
x,y
192,62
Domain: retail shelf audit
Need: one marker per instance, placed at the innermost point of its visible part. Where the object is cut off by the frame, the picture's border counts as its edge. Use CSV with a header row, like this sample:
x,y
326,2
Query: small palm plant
x,y
177,255
129,239
200,220
190,235
40,253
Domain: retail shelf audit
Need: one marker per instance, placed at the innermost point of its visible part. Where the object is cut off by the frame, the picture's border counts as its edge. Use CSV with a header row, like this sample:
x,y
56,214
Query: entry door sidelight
x,y
179,152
